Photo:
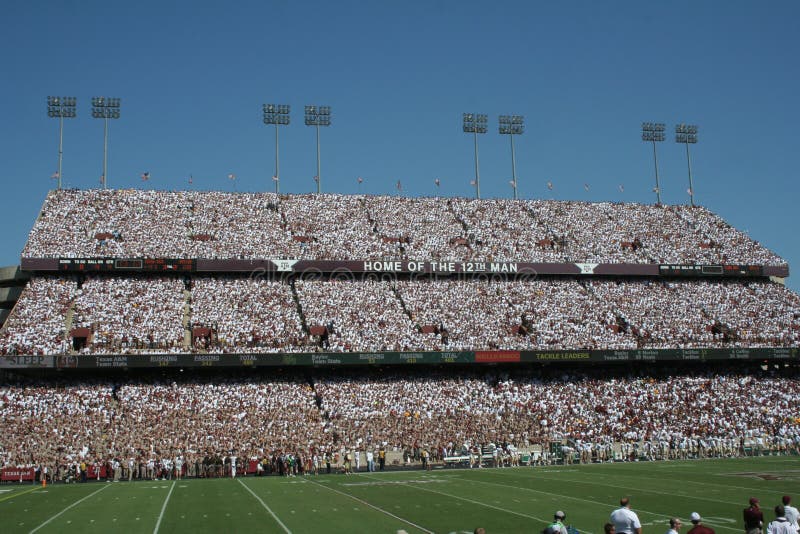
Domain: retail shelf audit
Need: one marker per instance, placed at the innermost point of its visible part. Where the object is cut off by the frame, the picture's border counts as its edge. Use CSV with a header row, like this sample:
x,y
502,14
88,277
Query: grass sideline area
x,y
511,500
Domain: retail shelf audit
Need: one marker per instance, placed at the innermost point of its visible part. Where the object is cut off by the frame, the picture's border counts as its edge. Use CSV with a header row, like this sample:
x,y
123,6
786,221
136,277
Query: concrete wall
x,y
13,274
9,295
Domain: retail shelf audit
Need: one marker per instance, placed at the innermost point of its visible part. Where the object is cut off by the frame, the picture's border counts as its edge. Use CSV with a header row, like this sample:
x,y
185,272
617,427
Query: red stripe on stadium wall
x,y
500,356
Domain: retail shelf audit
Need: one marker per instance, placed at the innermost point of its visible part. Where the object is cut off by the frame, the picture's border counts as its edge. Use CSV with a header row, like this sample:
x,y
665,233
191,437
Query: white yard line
x,y
163,507
365,503
610,506
76,503
267,508
480,503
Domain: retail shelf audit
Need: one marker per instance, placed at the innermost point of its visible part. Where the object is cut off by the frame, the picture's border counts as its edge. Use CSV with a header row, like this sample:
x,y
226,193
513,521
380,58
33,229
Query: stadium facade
x,y
130,278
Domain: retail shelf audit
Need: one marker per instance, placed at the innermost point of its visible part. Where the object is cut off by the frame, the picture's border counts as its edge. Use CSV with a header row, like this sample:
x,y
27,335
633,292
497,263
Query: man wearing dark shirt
x,y
753,518
699,527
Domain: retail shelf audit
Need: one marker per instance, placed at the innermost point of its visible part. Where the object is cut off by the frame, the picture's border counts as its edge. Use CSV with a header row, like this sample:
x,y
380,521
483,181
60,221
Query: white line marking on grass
x,y
163,507
390,514
267,508
499,509
612,507
76,503
642,490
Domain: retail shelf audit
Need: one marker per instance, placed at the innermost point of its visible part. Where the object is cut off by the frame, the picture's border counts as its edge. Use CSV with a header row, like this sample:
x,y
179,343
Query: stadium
x,y
399,268
206,335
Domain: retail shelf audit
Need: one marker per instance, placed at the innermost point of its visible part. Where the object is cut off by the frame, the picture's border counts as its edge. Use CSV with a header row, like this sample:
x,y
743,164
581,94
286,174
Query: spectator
x,y
624,519
699,527
674,525
753,518
781,525
790,511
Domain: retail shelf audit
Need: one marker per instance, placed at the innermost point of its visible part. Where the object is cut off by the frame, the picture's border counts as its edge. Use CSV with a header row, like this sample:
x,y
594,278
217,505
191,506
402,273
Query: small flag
x,y
360,180
550,186
191,179
103,179
655,190
586,187
473,183
274,178
54,176
232,176
512,183
399,186
437,182
689,191
145,176
316,179
621,188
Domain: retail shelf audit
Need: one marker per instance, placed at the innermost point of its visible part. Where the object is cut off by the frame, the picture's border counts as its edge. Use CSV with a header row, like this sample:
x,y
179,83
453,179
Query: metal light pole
x,y
654,131
476,123
512,125
277,115
105,108
687,134
62,107
318,116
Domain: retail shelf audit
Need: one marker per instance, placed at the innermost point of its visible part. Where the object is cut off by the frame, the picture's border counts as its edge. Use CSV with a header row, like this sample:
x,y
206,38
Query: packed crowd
x,y
191,224
127,315
130,313
697,412
253,314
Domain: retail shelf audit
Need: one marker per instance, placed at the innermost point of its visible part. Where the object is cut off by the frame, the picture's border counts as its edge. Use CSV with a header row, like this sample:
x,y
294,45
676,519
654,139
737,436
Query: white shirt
x,y
625,520
791,515
781,525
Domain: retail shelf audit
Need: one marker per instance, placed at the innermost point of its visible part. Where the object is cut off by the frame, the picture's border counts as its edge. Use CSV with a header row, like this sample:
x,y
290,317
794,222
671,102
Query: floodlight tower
x,y
277,115
318,116
62,107
105,108
512,125
687,134
654,131
476,123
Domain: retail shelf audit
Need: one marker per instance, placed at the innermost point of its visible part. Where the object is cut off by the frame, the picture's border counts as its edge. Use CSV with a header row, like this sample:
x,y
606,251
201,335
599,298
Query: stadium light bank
x,y
687,134
61,107
512,125
105,108
654,131
318,116
476,123
279,116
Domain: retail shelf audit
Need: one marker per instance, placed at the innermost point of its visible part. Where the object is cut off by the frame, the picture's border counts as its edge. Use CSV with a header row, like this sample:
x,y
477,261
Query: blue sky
x,y
192,77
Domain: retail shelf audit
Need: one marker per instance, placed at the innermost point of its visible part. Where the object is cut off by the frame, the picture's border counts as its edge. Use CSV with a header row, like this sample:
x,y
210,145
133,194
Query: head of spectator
x,y
753,502
780,511
786,500
609,528
675,523
625,502
695,518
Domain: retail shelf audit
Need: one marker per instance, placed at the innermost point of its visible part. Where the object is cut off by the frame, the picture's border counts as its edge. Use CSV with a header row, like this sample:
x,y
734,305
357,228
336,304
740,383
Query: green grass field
x,y
444,500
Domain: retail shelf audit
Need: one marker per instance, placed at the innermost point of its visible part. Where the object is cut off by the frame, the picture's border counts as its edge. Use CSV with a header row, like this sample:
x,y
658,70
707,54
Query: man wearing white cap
x,y
557,526
699,527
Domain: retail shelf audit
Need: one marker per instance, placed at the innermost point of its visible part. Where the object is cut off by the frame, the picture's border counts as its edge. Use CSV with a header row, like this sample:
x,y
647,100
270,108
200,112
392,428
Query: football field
x,y
512,500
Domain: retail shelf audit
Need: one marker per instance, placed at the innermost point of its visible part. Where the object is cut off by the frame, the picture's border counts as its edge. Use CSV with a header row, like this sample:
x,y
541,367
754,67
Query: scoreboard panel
x,y
88,265
728,271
